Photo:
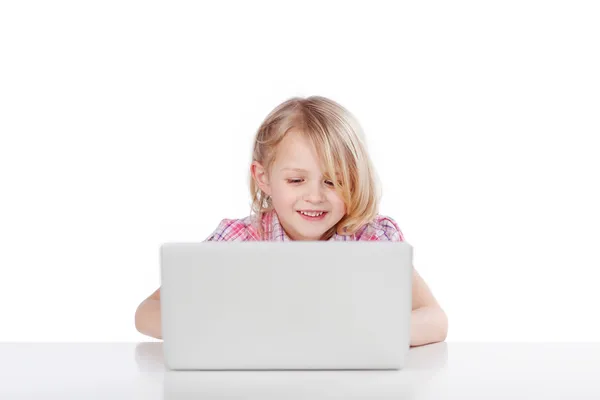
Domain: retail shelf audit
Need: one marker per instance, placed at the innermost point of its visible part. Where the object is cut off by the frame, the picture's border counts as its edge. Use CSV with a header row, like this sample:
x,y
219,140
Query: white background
x,y
127,124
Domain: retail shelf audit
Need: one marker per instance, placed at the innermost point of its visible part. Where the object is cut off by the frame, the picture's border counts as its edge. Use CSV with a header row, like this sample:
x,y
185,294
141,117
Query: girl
x,y
312,179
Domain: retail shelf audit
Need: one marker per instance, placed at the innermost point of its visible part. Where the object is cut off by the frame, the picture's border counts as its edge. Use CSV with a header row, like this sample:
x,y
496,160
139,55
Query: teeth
x,y
312,214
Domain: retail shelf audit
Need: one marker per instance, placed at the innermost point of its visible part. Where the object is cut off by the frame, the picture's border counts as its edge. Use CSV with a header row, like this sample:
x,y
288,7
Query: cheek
x,y
337,202
283,195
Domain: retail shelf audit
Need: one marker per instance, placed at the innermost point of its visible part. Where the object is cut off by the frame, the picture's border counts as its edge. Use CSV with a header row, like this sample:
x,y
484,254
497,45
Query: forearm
x,y
428,325
147,318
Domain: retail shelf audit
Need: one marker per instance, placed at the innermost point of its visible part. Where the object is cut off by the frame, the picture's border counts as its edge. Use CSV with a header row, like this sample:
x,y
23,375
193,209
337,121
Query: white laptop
x,y
286,305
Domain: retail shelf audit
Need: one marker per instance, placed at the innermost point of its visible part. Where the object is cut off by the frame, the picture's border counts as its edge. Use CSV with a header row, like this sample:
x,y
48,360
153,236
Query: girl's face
x,y
295,183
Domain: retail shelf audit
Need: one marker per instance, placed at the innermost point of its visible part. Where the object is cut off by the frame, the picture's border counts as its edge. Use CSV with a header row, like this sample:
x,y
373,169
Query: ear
x,y
260,177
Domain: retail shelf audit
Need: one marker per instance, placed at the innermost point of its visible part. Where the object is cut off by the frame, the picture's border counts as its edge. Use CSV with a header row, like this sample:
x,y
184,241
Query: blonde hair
x,y
338,140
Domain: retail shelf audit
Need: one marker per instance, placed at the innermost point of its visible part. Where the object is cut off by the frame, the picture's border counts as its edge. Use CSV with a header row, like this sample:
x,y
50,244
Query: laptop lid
x,y
286,305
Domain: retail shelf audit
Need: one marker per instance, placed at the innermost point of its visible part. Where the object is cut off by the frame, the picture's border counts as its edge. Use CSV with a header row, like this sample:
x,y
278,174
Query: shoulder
x,y
234,230
382,227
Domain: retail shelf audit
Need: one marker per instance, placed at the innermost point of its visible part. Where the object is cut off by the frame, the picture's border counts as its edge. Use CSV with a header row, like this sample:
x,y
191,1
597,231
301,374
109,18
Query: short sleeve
x,y
391,230
384,228
230,230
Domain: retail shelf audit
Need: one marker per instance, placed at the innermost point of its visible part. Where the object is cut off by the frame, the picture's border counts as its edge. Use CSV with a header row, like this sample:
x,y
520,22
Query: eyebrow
x,y
294,169
300,170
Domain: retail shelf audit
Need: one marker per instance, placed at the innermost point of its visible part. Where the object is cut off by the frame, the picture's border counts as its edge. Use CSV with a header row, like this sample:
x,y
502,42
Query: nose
x,y
314,193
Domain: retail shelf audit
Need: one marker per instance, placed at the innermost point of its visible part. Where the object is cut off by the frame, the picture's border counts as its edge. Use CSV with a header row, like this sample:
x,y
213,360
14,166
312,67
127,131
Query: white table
x,y
438,371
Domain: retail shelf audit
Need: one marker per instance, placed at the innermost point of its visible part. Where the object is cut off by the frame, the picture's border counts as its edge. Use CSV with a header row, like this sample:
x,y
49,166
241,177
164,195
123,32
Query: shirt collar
x,y
277,232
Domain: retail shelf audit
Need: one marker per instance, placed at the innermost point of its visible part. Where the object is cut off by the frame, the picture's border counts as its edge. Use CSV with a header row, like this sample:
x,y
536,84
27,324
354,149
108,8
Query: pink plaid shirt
x,y
242,230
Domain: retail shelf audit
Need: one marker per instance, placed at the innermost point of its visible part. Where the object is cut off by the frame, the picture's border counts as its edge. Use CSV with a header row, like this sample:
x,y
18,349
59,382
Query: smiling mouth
x,y
312,215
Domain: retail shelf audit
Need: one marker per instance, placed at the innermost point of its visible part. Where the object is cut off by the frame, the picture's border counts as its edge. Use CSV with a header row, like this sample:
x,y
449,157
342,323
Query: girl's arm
x,y
429,323
147,316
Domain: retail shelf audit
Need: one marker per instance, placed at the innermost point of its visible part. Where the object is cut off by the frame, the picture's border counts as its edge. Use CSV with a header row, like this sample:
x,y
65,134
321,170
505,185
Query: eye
x,y
329,183
294,180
